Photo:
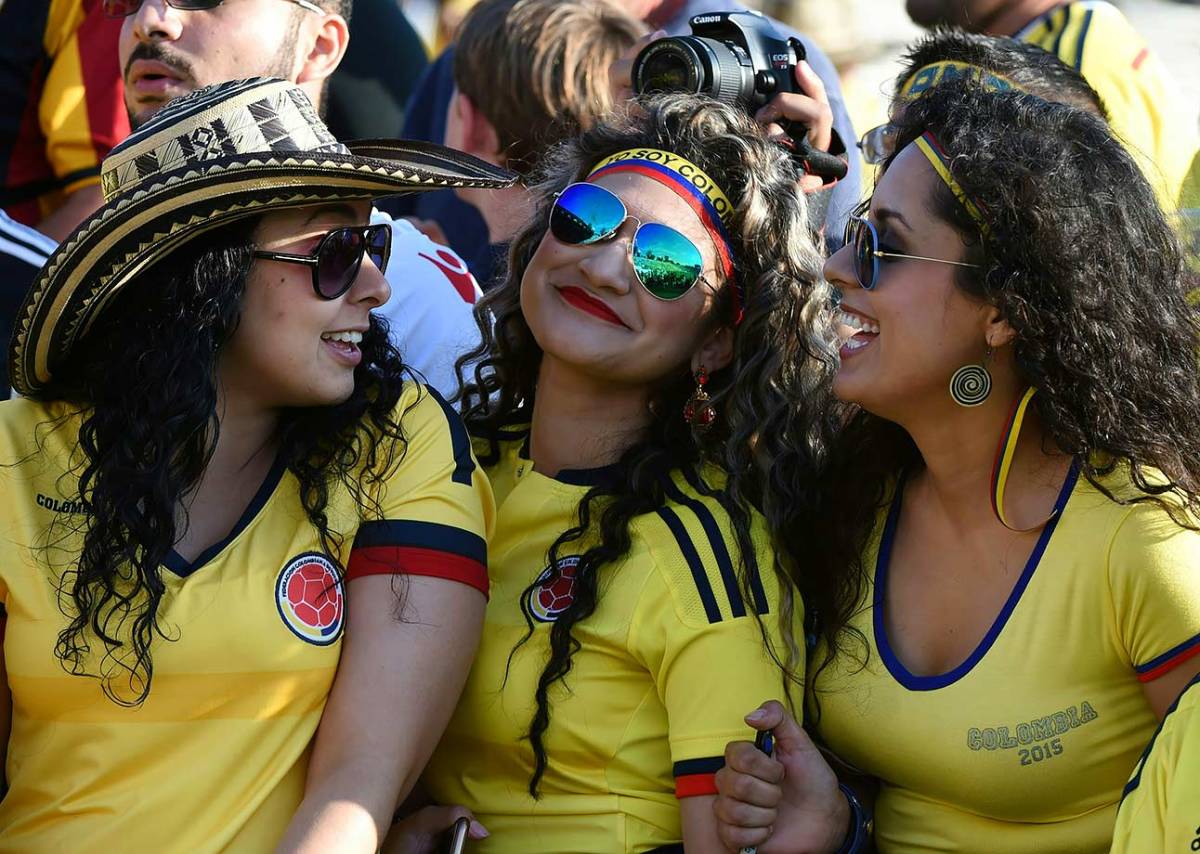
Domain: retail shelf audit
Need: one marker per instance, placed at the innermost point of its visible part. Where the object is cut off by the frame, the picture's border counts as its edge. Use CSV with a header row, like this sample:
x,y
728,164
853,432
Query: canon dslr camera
x,y
739,59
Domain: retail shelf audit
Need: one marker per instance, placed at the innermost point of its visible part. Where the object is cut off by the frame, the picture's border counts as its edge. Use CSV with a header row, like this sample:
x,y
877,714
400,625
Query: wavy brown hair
x,y
1086,268
143,384
772,397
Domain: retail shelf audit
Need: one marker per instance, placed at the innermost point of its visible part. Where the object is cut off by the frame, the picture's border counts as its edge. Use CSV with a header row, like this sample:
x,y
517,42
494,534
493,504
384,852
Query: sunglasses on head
x,y
878,143
336,260
125,8
863,240
666,263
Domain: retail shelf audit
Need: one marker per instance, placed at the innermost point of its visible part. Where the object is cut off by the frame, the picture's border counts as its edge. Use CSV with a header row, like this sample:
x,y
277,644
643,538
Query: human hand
x,y
787,803
810,109
620,73
422,832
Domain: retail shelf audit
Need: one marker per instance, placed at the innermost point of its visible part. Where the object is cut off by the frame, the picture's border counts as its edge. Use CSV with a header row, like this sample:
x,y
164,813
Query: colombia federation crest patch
x,y
310,599
551,596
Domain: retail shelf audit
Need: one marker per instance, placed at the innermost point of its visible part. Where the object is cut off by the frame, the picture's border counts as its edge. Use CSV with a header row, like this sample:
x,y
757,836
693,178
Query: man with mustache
x,y
166,51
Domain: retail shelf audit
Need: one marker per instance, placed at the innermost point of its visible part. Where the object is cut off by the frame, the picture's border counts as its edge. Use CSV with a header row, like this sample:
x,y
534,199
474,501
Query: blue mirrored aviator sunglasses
x,y
125,8
863,240
666,263
336,260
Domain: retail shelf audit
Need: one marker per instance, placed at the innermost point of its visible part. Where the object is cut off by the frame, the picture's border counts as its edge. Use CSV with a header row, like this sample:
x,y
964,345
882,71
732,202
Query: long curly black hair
x,y
771,397
1086,268
143,384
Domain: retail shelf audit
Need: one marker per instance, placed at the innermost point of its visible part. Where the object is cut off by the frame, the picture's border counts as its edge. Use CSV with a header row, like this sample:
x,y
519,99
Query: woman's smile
x,y
588,304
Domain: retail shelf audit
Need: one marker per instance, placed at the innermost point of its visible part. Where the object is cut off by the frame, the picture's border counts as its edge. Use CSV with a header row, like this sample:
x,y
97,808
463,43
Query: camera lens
x,y
669,65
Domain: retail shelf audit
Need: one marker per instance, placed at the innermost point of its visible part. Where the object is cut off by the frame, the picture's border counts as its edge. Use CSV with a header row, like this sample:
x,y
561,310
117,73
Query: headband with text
x,y
694,186
926,77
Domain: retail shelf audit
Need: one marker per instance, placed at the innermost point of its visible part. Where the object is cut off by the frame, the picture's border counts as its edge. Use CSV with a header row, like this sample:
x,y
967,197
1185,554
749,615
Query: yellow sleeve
x,y
82,110
436,507
1160,809
699,636
1154,576
1145,107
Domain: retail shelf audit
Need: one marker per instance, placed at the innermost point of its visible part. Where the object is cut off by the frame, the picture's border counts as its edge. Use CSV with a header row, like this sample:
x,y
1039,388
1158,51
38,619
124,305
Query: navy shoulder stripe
x,y
1065,12
694,563
459,440
1194,685
1083,31
761,605
716,542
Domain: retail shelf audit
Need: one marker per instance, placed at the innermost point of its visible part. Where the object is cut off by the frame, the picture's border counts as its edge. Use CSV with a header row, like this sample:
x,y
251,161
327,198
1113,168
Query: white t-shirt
x,y
431,308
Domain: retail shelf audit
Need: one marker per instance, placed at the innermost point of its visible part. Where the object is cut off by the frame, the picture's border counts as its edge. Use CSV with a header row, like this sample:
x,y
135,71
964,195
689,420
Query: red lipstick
x,y
582,300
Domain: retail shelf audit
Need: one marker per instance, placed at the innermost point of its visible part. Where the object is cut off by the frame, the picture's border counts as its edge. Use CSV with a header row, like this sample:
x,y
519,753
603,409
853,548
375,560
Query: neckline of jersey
x,y
570,477
899,672
180,566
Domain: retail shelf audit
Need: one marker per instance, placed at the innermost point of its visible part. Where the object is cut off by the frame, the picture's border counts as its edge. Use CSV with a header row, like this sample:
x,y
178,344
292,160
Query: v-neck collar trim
x,y
571,477
177,564
940,680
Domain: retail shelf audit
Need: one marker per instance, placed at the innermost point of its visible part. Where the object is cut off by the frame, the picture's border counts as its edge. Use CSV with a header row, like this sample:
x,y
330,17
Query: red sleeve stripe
x,y
1140,58
413,560
1168,661
695,777
694,785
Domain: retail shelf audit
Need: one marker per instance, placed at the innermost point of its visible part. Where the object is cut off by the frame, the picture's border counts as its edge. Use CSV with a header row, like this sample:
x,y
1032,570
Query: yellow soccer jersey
x,y
1024,748
668,665
1145,108
1161,808
215,759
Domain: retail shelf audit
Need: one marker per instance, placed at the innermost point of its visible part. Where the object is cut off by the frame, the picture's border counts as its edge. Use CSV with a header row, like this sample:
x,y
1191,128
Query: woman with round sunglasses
x,y
641,408
1011,508
242,553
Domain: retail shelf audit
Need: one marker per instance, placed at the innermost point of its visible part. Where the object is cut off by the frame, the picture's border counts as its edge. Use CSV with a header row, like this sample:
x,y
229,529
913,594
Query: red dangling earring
x,y
699,411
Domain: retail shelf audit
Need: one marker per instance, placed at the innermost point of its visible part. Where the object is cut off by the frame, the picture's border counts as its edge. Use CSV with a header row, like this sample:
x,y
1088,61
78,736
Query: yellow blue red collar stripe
x,y
694,186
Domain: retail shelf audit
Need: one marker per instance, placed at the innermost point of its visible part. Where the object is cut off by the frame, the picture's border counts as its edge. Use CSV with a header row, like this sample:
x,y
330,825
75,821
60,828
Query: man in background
x,y
1093,37
529,74
167,52
60,109
465,228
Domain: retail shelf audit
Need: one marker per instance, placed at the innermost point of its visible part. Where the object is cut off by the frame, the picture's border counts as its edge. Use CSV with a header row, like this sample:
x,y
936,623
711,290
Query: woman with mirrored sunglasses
x,y
655,347
1011,510
242,548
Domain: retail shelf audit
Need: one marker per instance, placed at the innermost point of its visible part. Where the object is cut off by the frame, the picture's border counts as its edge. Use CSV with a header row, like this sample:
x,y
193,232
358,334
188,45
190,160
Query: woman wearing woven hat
x,y
226,515
655,346
1010,514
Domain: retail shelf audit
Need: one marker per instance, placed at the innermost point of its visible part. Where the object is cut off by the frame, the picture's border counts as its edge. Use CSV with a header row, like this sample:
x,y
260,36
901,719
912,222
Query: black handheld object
x,y
764,741
458,836
739,59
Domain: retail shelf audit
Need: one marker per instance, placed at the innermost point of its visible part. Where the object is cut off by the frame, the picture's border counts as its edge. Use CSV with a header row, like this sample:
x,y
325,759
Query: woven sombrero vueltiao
x,y
221,153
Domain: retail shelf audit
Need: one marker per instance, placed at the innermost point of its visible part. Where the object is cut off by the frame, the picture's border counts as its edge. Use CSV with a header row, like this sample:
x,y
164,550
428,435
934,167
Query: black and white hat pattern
x,y
221,153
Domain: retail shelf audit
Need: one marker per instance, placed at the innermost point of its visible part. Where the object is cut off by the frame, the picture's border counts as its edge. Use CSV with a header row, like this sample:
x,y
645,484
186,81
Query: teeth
x,y
347,337
856,322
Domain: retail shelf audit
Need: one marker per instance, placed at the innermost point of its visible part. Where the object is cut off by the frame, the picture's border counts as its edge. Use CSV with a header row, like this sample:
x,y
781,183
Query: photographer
x,y
465,229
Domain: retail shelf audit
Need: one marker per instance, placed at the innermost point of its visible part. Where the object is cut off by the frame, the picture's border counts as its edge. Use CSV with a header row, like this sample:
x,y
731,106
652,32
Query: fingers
x,y
742,757
755,793
767,716
810,109
736,838
620,73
